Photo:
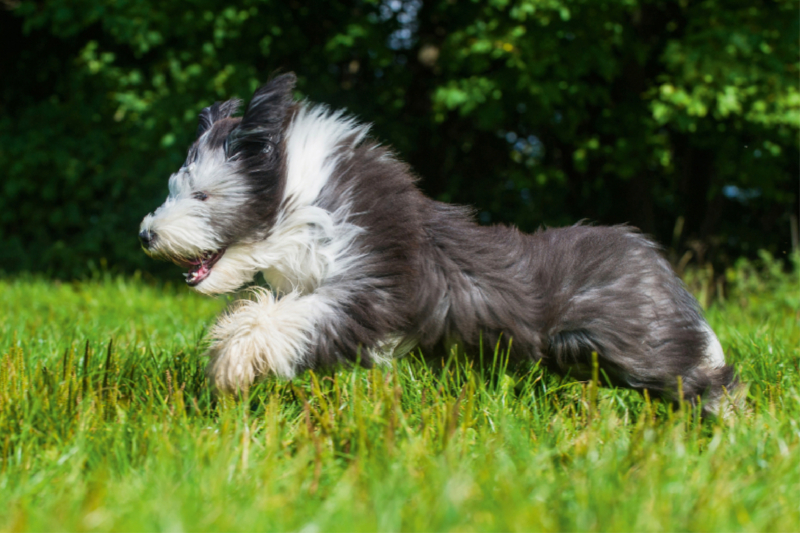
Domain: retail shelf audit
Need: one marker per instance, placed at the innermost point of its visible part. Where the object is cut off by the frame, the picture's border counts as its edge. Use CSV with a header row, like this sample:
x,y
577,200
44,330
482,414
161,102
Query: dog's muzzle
x,y
147,238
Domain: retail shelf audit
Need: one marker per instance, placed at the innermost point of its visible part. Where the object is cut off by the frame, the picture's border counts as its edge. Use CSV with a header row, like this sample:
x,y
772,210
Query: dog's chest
x,y
293,281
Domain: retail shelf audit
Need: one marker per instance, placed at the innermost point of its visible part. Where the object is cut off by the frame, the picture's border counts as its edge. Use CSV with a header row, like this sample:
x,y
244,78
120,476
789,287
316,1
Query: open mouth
x,y
199,268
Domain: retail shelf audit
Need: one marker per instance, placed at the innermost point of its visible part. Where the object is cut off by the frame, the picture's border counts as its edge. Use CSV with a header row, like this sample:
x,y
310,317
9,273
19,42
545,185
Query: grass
x,y
106,423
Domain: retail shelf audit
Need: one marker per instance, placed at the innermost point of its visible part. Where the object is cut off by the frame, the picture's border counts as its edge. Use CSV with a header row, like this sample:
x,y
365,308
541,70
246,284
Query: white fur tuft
x,y
261,336
714,356
393,347
306,247
312,141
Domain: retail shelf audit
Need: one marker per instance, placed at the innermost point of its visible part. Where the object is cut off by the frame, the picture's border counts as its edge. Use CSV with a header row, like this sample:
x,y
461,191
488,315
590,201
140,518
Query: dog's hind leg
x,y
611,292
262,336
709,382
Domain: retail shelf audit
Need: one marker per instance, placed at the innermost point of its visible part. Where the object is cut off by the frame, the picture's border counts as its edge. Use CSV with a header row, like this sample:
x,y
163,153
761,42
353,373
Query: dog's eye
x,y
200,196
267,149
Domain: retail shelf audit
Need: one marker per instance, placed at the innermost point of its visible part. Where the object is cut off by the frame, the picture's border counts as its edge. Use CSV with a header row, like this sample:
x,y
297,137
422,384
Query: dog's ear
x,y
261,125
270,103
213,113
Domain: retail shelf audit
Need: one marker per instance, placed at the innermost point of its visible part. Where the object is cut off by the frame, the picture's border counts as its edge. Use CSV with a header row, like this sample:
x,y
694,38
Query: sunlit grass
x,y
106,423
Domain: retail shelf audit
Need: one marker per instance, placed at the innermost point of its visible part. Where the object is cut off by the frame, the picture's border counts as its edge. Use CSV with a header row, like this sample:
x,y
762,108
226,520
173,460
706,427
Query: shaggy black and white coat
x,y
364,267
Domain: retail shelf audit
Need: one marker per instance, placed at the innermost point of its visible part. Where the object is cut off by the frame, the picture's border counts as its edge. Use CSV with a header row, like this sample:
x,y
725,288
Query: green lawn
x,y
124,435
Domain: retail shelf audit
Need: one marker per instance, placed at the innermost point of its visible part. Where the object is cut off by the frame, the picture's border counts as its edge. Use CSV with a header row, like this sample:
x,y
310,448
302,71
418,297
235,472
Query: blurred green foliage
x,y
680,117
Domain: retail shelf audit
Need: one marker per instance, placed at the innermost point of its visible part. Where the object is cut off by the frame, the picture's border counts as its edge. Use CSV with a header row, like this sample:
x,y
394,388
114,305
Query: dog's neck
x,y
308,243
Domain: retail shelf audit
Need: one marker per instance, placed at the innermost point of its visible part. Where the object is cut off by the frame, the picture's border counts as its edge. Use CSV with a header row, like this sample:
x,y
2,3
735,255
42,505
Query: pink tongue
x,y
198,274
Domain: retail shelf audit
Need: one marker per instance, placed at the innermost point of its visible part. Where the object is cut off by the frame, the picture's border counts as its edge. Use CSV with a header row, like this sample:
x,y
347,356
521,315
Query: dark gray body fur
x,y
432,273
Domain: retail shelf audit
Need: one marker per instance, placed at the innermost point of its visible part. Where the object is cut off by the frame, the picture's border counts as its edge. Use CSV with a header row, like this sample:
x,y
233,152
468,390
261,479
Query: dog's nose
x,y
147,238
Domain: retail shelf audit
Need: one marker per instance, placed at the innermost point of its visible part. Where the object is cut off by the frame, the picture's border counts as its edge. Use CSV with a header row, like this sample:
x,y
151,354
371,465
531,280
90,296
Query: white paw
x,y
230,368
260,336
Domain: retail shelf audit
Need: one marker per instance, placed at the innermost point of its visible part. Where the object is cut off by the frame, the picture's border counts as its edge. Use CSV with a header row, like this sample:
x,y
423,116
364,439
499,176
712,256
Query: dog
x,y
362,267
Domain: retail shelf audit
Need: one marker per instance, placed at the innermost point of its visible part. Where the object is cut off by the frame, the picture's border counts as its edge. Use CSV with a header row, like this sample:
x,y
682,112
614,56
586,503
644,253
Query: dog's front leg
x,y
261,336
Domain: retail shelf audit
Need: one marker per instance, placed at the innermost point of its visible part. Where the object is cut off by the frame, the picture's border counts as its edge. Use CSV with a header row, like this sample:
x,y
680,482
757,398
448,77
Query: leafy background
x,y
680,117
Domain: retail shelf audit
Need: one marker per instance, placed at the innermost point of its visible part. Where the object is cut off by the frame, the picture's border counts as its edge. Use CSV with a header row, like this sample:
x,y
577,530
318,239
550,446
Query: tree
x,y
535,111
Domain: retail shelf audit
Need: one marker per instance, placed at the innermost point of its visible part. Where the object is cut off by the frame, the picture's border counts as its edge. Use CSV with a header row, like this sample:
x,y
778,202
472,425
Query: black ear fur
x,y
213,113
260,129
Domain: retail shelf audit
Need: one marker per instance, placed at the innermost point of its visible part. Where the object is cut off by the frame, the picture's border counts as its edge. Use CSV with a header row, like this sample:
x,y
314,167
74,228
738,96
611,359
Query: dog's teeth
x,y
185,274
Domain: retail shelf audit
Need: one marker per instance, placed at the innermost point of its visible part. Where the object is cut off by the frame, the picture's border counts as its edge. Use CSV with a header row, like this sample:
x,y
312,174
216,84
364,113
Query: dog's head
x,y
227,194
